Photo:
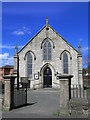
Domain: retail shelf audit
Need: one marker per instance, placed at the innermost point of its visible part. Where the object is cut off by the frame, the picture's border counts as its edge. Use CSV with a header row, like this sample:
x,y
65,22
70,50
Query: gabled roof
x,y
39,32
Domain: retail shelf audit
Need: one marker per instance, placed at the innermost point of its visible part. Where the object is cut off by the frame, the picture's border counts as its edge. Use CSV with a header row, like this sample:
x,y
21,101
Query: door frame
x,y
53,73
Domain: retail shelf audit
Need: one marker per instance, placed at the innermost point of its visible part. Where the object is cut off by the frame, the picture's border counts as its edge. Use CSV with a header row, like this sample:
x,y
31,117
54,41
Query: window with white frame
x,y
47,50
65,63
29,64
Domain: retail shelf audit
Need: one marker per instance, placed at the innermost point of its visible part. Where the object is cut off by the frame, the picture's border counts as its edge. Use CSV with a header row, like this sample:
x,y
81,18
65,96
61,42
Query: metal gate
x,y
18,95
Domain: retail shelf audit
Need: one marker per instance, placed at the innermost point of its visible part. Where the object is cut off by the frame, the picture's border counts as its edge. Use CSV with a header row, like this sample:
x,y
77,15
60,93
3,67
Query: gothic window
x,y
29,65
65,63
47,50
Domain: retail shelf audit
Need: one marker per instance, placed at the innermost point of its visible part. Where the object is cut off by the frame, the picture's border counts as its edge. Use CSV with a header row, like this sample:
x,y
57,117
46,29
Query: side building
x,y
6,70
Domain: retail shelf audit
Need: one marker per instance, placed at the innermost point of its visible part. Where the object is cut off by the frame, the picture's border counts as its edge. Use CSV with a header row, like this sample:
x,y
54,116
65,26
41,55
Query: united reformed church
x,y
46,55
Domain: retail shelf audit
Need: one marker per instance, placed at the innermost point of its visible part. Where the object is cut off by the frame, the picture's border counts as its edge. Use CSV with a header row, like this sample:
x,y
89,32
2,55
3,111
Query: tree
x,y
84,72
89,69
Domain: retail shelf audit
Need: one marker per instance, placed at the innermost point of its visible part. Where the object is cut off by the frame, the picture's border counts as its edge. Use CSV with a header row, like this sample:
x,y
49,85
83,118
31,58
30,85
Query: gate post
x,y
65,93
9,92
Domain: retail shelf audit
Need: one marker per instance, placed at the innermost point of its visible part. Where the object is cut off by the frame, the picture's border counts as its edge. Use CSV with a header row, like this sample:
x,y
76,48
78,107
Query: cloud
x,y
80,39
26,29
84,49
5,59
22,31
4,56
10,61
18,33
9,47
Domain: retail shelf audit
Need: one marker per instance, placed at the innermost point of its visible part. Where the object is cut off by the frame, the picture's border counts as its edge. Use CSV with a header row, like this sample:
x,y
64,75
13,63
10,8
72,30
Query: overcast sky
x,y
21,21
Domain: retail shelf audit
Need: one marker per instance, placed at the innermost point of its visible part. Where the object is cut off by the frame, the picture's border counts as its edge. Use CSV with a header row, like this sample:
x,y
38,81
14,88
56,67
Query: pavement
x,y
42,103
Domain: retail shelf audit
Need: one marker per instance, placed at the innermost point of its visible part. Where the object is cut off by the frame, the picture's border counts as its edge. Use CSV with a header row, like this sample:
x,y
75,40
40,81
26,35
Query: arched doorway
x,y
47,78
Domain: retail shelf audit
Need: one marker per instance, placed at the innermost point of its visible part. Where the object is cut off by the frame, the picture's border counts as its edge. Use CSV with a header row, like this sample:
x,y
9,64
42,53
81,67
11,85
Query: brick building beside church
x,y
6,70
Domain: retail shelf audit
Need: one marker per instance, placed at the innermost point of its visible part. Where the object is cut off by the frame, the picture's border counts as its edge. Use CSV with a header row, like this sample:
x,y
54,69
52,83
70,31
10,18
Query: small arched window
x,y
47,50
65,63
29,64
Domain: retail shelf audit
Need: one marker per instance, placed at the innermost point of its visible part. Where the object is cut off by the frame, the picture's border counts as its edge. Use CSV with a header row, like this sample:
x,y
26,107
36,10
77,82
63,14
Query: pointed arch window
x,y
29,64
65,63
47,50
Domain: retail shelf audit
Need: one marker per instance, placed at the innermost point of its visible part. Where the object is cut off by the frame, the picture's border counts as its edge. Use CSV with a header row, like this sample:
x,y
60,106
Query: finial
x,y
16,49
47,21
79,45
79,48
47,26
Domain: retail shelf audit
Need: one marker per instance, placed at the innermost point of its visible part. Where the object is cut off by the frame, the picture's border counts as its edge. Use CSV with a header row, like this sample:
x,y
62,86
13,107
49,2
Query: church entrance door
x,y
47,83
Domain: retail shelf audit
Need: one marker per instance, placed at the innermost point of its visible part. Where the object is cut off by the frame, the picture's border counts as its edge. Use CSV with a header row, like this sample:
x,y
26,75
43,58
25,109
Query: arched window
x,y
65,63
29,64
47,50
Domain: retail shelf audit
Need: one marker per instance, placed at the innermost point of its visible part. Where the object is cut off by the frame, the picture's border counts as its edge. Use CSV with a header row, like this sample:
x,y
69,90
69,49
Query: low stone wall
x,y
78,106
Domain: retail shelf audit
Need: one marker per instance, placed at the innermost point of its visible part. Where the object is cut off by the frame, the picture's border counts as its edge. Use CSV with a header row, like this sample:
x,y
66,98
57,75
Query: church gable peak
x,y
47,27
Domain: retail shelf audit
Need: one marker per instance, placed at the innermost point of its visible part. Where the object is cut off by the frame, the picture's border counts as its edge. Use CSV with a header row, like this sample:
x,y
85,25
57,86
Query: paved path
x,y
45,103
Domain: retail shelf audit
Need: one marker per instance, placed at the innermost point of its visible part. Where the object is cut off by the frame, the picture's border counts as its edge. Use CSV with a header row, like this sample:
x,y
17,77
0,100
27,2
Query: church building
x,y
45,56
